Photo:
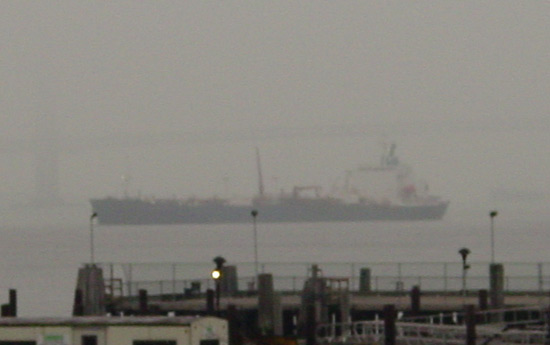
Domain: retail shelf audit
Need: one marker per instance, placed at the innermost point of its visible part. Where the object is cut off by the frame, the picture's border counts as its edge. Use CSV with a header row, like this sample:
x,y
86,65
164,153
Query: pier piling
x,y
390,315
483,299
496,276
143,301
10,309
470,314
415,300
92,286
210,302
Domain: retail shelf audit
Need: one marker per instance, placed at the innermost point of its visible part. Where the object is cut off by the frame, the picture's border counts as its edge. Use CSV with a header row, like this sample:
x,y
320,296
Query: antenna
x,y
260,178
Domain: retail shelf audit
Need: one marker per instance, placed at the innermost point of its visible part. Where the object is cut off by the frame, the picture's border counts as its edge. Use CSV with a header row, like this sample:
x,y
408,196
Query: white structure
x,y
103,330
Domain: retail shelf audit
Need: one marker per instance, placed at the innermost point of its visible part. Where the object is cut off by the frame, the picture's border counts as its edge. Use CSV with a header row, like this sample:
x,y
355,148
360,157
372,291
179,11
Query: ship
x,y
349,202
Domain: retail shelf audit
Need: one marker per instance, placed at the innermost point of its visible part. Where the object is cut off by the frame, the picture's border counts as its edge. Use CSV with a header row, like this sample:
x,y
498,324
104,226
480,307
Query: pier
x,y
316,304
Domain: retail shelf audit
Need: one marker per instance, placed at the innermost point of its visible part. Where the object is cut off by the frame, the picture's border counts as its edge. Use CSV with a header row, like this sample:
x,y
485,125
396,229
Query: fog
x,y
177,95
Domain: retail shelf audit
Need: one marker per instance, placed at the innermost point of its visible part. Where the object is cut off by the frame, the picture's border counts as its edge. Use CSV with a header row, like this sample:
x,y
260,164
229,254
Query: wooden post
x,y
547,324
143,307
10,309
483,299
496,272
78,306
13,302
269,306
311,323
364,280
6,310
415,300
389,324
233,325
470,324
210,302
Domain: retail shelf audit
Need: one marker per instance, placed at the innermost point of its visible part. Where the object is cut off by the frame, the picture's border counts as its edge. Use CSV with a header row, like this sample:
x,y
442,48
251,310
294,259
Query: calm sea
x,y
43,249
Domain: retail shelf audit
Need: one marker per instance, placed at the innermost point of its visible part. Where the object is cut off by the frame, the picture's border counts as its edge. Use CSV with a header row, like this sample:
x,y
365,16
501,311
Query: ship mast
x,y
260,178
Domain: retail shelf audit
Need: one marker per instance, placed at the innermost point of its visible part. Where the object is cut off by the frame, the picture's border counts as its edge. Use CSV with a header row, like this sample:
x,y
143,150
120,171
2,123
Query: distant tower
x,y
46,161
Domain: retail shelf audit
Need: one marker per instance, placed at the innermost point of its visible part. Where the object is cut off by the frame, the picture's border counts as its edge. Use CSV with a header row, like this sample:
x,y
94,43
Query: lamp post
x,y
254,214
92,217
464,253
492,215
217,274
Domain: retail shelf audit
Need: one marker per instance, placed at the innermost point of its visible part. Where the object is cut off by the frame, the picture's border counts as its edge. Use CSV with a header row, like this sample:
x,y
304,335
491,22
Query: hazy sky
x,y
177,94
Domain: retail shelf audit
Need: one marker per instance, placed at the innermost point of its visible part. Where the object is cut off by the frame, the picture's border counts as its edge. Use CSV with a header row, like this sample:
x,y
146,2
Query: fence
x,y
178,278
500,325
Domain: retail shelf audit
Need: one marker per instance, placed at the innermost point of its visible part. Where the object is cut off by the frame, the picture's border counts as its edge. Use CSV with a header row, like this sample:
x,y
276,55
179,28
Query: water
x,y
42,250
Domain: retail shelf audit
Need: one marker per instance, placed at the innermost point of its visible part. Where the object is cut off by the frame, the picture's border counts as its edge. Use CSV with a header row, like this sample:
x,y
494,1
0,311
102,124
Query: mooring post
x,y
389,324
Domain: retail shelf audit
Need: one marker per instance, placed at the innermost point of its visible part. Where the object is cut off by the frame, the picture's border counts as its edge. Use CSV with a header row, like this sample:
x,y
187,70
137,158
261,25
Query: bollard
x,y
389,324
415,300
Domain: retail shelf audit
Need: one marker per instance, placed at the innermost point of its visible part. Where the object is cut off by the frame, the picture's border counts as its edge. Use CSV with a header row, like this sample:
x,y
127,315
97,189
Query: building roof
x,y
84,321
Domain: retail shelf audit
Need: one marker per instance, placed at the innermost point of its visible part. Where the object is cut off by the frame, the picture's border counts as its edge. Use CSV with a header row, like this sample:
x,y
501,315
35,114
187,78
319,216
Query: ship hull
x,y
113,211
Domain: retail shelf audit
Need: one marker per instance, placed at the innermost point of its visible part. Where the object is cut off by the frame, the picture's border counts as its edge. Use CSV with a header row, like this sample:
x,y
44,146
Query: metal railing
x,y
175,278
420,333
509,316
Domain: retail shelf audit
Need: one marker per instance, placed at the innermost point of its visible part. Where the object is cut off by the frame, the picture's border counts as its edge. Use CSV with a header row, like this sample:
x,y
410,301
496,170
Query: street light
x,y
254,214
493,214
92,217
217,275
464,253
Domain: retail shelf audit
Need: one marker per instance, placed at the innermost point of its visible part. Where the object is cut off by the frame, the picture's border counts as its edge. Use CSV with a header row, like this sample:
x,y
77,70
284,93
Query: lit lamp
x,y
464,253
217,275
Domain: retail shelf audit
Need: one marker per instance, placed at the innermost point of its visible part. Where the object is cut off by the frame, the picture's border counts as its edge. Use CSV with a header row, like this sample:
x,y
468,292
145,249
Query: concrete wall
x,y
99,332
34,333
112,334
209,328
125,335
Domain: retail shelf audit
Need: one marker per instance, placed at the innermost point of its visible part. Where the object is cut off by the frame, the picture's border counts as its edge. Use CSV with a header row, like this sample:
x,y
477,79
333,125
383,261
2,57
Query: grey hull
x,y
112,211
